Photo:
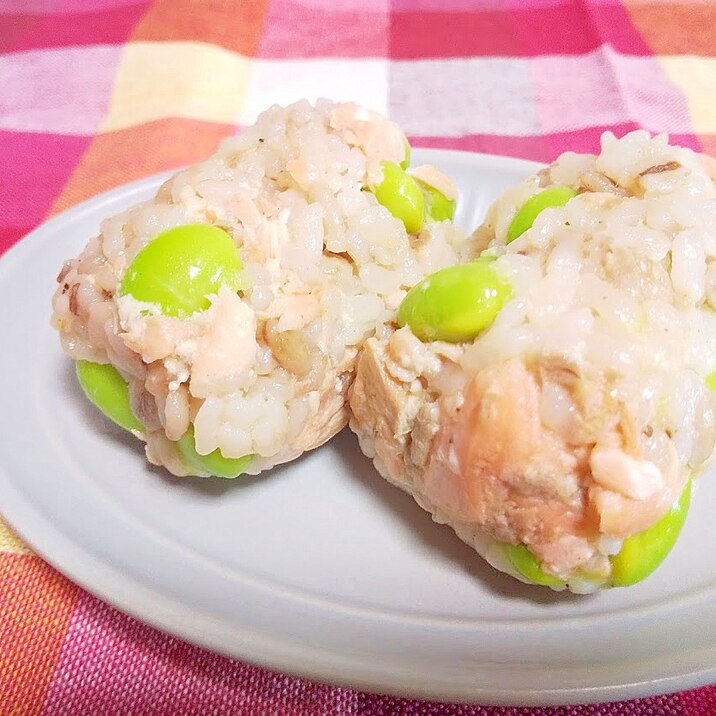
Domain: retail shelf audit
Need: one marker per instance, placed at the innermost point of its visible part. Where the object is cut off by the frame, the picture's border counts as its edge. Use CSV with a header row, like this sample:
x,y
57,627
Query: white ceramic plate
x,y
319,568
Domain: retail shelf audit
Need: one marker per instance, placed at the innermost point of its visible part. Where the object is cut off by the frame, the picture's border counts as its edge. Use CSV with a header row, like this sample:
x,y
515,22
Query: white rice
x,y
619,281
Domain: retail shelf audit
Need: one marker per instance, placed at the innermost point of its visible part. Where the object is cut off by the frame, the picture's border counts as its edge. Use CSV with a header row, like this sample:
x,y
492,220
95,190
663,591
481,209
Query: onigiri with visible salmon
x,y
552,399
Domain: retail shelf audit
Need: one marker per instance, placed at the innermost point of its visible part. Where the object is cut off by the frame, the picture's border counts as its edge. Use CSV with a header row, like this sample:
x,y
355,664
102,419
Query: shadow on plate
x,y
436,537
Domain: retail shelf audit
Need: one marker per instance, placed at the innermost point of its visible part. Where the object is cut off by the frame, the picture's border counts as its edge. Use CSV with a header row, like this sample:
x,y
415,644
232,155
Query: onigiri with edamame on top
x,y
220,321
552,400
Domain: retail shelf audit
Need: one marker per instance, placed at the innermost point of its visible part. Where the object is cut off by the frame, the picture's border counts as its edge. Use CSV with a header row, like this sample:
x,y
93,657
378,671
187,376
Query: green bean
x,y
711,380
400,194
406,161
438,206
109,391
528,212
214,463
643,552
456,303
182,266
527,565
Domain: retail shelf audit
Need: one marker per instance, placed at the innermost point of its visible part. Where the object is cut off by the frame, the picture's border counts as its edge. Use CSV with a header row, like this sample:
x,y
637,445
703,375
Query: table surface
x,y
96,93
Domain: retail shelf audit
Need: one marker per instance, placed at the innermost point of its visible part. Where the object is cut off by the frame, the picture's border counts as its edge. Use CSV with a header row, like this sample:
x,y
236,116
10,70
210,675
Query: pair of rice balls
x,y
541,386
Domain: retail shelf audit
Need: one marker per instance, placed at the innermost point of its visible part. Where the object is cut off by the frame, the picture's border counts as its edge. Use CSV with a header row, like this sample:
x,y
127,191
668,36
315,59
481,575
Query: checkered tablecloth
x,y
96,93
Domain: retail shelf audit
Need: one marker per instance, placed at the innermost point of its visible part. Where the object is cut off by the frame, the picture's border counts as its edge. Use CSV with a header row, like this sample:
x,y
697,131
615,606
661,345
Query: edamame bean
x,y
438,206
214,463
528,212
182,266
711,380
643,552
109,391
527,565
456,303
406,161
400,194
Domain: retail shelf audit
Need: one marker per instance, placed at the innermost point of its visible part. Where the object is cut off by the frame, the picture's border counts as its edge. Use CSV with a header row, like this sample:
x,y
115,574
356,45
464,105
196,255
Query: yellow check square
x,y
196,80
9,542
696,78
